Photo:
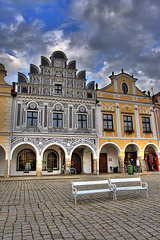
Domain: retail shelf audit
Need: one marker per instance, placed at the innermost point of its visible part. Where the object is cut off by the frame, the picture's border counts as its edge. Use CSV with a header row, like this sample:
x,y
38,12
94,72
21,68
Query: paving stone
x,y
38,208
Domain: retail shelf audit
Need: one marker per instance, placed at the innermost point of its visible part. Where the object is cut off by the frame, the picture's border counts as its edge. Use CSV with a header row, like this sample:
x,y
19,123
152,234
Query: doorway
x,y
103,163
76,162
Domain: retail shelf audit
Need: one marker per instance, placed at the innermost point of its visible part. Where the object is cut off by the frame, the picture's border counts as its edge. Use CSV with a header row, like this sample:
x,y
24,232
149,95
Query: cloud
x,y
102,36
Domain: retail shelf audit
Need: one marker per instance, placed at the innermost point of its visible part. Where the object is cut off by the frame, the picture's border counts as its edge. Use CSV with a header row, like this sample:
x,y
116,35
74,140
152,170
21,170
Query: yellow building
x,y
126,125
5,122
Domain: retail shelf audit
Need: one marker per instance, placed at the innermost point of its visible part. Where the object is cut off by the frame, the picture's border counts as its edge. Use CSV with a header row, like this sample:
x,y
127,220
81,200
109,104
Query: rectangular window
x,y
18,114
146,124
58,89
128,124
70,117
57,120
32,119
107,122
82,121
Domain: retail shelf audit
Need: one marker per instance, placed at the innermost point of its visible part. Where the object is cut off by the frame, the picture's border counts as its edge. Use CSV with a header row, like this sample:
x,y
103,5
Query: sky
x,y
103,36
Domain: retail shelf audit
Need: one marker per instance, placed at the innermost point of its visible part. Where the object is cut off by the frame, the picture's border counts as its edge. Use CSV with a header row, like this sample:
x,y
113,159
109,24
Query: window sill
x,y
147,131
108,130
129,131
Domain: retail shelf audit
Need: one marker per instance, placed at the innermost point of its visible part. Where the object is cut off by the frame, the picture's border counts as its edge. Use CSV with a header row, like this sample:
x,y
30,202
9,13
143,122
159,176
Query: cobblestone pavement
x,y
41,208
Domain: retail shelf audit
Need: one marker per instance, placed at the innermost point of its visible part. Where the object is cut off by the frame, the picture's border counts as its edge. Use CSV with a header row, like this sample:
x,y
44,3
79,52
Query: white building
x,y
53,120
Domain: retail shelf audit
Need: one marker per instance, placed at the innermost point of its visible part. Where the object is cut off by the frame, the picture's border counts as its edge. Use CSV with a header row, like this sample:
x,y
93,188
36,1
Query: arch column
x,y
67,163
6,168
94,166
39,166
121,163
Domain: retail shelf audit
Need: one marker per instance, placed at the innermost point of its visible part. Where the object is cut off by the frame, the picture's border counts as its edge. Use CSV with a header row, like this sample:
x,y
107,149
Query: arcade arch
x,y
82,158
108,158
2,161
24,160
151,157
53,158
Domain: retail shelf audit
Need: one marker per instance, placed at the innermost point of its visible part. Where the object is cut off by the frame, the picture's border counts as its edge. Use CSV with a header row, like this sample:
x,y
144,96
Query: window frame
x,y
25,161
126,86
45,161
146,131
32,118
57,120
127,128
82,121
107,120
58,90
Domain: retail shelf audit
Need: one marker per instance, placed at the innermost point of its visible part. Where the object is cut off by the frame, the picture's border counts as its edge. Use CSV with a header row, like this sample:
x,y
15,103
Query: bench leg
x,y
75,199
147,193
114,196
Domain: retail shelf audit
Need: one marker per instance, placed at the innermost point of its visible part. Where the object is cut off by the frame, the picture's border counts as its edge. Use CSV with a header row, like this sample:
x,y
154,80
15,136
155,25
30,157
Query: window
x,y
26,160
32,119
124,88
146,124
58,88
128,124
107,122
50,160
82,121
57,120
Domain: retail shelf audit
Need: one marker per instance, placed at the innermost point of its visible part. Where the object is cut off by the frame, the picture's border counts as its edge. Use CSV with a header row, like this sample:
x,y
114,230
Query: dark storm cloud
x,y
124,33
108,35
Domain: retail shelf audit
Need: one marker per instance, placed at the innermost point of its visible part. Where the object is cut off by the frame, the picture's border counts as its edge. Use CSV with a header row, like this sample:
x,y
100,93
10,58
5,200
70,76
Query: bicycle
x,y
71,170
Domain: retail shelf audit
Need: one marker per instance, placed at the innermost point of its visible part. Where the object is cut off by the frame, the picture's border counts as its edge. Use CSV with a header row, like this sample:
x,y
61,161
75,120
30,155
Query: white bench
x,y
75,191
137,184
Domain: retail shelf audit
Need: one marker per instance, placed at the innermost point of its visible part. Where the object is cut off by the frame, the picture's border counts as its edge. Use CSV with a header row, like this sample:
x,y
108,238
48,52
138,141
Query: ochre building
x,y
126,126
5,122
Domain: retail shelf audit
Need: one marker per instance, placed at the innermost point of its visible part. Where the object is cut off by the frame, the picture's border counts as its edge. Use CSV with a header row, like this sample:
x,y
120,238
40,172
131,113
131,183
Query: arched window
x,y
26,160
50,160
124,88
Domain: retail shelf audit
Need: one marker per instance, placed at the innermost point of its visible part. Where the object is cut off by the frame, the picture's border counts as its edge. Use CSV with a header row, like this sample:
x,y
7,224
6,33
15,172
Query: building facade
x,y
5,122
53,120
127,127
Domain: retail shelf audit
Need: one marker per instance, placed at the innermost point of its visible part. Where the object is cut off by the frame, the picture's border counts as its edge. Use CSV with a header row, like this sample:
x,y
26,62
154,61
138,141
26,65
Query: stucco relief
x,y
68,143
126,108
35,80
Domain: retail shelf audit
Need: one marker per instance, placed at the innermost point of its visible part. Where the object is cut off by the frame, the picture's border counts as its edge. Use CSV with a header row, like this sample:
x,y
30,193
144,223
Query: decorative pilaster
x,y
153,125
94,166
121,164
118,120
137,121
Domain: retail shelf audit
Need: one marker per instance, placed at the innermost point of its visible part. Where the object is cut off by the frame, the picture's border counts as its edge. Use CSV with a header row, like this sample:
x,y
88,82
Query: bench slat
x,y
130,188
93,191
89,183
119,180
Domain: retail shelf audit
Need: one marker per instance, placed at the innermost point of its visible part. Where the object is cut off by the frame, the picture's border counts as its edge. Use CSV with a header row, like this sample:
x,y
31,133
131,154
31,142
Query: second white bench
x,y
137,184
108,187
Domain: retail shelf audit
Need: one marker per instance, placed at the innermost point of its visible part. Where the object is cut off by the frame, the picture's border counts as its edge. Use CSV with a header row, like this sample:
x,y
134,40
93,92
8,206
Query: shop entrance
x,y
103,163
76,162
151,159
130,155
